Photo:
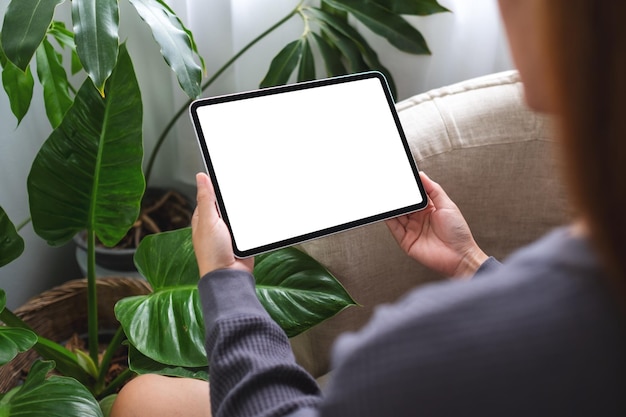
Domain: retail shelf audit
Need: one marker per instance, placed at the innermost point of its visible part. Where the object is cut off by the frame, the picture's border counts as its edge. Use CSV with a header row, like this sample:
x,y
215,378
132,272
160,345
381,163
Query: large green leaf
x,y
177,46
25,25
141,364
14,341
382,21
11,243
96,26
167,324
297,291
283,64
413,7
54,81
18,85
358,53
53,397
88,174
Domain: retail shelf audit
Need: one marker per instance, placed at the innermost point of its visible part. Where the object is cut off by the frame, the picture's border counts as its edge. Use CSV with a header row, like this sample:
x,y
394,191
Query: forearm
x,y
252,368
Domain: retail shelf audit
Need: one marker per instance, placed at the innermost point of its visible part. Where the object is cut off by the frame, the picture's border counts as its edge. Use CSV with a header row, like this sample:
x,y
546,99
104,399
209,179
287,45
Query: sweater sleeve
x,y
490,265
252,368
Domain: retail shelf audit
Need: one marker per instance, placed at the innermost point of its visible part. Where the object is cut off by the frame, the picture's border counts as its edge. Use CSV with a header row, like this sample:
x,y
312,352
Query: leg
x,y
155,395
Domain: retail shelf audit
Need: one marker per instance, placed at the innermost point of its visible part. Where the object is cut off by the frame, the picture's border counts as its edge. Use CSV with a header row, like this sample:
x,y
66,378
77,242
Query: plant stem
x,y
116,383
114,344
23,224
92,294
210,81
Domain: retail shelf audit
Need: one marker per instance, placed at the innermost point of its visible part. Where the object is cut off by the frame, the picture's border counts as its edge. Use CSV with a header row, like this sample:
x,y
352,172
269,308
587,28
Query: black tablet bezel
x,y
193,110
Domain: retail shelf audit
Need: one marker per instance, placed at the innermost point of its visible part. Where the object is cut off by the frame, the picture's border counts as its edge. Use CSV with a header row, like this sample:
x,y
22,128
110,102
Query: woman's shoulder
x,y
543,318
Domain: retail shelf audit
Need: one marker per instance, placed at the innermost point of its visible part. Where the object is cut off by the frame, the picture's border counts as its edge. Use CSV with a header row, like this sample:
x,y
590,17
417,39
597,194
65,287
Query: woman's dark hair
x,y
587,50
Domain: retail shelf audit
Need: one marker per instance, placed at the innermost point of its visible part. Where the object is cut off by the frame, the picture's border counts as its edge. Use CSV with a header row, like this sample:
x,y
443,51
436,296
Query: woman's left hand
x,y
211,238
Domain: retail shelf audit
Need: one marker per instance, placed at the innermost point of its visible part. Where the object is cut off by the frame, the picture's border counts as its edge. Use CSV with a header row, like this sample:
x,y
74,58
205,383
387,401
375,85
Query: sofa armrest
x,y
495,159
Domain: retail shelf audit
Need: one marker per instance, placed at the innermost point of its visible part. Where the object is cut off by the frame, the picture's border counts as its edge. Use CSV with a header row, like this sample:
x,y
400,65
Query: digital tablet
x,y
305,160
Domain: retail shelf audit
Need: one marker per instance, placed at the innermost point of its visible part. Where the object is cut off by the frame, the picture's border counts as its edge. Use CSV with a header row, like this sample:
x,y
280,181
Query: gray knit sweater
x,y
539,335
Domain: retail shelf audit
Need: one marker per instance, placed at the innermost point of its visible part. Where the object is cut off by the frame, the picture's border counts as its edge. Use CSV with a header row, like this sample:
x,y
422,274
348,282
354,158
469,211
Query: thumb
x,y
436,193
205,197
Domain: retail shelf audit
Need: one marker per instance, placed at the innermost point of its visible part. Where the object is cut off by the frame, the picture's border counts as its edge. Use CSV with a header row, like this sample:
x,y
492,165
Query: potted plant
x,y
88,176
342,50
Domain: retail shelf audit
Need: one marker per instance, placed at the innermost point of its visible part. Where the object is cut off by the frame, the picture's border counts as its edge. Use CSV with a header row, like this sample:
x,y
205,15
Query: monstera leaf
x,y
167,326
53,397
13,341
88,173
141,364
297,291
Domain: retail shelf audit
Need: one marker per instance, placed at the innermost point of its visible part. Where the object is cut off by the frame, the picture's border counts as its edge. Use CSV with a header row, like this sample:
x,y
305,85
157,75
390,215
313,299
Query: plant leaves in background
x,y
283,64
331,56
25,25
413,7
352,46
385,23
76,177
297,291
13,341
342,48
11,243
18,86
65,38
96,26
54,81
106,404
306,70
53,397
177,45
194,46
166,325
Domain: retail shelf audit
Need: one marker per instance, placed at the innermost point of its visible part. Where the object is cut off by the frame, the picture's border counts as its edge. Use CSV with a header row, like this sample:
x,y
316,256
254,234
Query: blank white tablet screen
x,y
294,165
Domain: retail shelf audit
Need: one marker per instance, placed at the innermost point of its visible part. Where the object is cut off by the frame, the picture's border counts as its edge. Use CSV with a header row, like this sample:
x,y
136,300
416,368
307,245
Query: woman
x,y
543,334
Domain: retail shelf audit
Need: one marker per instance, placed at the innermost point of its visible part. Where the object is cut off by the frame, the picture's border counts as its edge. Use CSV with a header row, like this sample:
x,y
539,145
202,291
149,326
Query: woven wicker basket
x,y
61,312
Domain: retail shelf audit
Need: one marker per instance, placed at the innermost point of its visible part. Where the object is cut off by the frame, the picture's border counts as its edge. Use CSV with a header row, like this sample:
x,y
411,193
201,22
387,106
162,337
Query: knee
x,y
134,397
155,395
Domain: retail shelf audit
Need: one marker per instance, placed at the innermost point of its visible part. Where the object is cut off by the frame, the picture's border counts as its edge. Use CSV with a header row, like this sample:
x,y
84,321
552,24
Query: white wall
x,y
466,43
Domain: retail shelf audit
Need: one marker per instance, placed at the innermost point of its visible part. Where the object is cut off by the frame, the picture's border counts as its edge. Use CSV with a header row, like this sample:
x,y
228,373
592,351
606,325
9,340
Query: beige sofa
x,y
495,159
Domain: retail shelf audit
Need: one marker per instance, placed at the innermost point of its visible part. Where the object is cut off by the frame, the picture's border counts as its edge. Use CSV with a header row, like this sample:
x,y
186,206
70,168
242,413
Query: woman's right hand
x,y
438,236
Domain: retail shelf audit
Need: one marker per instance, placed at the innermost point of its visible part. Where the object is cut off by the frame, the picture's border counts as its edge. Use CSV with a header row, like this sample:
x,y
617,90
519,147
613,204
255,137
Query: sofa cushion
x,y
495,159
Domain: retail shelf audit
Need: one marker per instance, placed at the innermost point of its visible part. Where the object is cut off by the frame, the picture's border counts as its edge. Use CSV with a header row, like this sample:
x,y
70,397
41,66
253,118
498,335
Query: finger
x,y
435,192
205,197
